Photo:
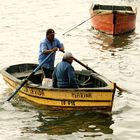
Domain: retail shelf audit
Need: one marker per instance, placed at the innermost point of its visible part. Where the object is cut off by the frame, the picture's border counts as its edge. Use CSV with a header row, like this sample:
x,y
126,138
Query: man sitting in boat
x,y
64,73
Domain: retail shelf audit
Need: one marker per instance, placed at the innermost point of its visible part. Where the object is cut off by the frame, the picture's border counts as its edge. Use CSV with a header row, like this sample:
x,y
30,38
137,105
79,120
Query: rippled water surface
x,y
23,25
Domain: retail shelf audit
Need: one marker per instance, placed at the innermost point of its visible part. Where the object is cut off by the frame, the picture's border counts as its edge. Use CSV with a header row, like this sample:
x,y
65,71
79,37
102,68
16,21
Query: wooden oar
x,y
88,68
25,81
81,23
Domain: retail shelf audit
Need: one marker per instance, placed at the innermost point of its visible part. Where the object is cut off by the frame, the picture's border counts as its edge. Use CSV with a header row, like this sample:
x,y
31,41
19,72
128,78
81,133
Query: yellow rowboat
x,y
94,93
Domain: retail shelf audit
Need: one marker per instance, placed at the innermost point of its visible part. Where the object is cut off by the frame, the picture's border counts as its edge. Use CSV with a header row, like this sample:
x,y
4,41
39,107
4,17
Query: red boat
x,y
112,19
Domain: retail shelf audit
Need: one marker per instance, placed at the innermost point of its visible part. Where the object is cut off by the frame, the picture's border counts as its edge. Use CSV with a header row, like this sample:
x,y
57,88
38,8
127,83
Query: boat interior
x,y
85,78
112,7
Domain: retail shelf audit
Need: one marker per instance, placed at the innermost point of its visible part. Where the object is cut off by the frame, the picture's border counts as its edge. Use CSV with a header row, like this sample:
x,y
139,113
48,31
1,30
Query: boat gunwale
x,y
109,87
101,12
36,86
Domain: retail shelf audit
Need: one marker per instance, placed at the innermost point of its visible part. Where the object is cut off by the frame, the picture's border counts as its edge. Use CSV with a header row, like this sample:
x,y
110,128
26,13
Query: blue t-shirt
x,y
46,44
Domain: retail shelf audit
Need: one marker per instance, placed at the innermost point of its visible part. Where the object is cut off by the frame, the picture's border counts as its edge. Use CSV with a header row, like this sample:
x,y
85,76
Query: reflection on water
x,y
61,123
108,42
